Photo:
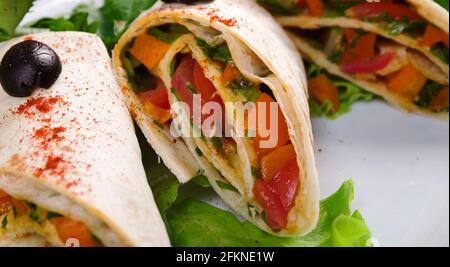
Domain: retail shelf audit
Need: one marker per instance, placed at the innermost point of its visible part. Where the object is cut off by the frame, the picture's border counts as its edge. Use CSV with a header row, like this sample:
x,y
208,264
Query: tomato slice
x,y
371,66
434,36
282,133
286,183
202,84
157,96
276,214
279,186
371,10
68,228
273,162
358,50
316,8
207,92
3,193
21,207
6,204
183,78
189,79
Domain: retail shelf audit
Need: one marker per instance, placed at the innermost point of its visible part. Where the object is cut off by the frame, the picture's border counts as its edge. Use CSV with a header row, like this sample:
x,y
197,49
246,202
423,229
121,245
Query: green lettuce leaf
x,y
109,22
77,21
193,223
116,16
349,94
11,13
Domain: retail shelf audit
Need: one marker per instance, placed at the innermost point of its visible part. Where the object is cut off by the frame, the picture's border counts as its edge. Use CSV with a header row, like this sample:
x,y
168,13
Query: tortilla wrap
x,y
263,54
71,150
435,69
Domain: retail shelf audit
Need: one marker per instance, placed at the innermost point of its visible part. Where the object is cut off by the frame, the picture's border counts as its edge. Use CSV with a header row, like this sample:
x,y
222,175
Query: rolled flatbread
x,y
177,58
70,165
395,49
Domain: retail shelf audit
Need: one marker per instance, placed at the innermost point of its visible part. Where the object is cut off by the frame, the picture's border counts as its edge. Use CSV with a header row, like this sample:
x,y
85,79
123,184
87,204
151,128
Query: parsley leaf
x,y
78,21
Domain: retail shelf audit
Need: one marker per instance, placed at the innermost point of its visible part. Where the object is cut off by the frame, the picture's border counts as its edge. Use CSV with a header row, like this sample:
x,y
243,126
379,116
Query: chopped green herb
x,y
33,214
172,66
357,38
158,124
199,152
227,186
78,21
264,215
430,90
51,215
441,52
192,88
220,53
175,93
256,172
313,70
217,142
5,222
14,211
337,55
403,25
277,8
168,33
129,67
96,239
246,89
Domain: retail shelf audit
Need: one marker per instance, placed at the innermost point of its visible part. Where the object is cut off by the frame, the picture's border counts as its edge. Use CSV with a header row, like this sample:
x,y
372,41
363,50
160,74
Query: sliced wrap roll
x,y
70,165
225,53
395,49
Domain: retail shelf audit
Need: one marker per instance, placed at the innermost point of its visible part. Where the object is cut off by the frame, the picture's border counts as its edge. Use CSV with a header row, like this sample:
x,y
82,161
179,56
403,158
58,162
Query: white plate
x,y
400,163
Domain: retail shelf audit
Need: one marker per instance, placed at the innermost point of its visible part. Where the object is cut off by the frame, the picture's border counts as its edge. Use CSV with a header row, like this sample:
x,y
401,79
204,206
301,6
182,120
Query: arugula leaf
x,y
194,223
11,13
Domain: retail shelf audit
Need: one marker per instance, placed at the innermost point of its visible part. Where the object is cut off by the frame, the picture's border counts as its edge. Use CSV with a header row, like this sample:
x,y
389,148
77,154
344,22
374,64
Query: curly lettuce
x,y
349,94
193,223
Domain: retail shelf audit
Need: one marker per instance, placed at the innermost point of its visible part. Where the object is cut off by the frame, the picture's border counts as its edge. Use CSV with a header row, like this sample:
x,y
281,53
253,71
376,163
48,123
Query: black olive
x,y
27,66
